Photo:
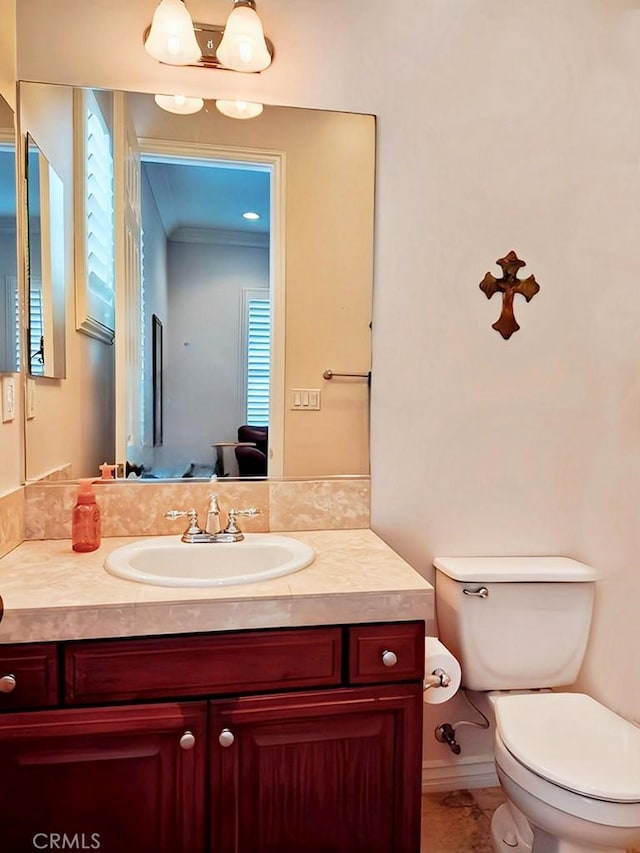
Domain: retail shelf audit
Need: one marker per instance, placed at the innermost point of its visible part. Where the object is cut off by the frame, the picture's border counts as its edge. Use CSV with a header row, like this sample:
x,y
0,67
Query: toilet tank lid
x,y
515,569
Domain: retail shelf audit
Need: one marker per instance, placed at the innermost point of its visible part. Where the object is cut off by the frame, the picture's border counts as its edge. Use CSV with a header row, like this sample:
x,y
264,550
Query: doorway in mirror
x,y
206,283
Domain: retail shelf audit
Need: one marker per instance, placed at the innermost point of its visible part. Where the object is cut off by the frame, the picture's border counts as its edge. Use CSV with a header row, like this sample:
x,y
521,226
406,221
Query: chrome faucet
x,y
212,531
213,525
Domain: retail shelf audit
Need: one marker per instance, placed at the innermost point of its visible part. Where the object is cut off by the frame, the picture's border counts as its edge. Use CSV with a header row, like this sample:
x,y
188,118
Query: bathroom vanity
x,y
237,719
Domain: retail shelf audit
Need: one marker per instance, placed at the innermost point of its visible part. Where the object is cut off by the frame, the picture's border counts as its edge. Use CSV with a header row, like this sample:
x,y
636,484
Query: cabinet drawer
x,y
28,676
102,671
386,652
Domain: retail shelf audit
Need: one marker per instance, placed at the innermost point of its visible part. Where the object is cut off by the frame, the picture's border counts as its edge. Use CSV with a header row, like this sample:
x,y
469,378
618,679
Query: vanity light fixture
x,y
240,45
171,37
243,46
250,214
179,104
239,109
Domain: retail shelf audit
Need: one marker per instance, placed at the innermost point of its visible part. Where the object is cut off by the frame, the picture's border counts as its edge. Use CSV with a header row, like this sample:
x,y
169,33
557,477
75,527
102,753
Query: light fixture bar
x,y
209,37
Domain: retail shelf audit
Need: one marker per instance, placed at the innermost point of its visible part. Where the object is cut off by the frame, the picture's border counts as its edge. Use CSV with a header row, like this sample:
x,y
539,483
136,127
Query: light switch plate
x,y
8,399
305,399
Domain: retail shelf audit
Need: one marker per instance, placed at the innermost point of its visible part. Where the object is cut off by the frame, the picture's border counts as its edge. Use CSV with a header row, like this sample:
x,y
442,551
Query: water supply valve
x,y
445,733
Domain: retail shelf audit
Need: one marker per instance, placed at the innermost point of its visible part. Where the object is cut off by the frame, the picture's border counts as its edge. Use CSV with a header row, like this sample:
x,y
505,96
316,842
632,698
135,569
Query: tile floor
x,y
458,821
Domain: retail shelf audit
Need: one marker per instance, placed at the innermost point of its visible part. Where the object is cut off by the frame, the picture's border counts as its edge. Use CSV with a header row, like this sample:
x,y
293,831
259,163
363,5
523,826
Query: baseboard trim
x,y
479,772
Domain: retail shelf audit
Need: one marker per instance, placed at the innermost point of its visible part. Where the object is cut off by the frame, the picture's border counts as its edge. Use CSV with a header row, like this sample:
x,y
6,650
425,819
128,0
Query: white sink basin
x,y
166,561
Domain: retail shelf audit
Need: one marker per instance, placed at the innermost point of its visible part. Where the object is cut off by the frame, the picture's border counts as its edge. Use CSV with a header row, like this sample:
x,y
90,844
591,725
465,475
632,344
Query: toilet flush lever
x,y
483,592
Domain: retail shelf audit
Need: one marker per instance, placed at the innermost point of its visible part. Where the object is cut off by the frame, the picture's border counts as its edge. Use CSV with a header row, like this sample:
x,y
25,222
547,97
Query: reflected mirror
x,y
9,311
45,272
222,321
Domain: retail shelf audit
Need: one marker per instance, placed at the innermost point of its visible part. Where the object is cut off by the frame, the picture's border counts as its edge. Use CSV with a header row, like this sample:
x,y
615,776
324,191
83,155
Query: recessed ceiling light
x,y
250,214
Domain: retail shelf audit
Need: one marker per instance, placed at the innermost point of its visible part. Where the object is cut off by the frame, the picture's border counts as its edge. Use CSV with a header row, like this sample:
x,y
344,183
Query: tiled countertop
x,y
52,593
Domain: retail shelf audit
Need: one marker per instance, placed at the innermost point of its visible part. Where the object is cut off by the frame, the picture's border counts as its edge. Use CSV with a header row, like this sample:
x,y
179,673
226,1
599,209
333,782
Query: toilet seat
x,y
572,741
620,815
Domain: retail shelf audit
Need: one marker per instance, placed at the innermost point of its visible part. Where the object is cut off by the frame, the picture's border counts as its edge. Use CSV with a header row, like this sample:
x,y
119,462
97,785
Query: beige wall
x,y
8,51
501,126
73,419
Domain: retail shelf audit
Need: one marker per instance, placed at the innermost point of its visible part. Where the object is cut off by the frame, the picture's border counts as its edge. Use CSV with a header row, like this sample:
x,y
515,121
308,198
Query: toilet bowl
x,y
571,767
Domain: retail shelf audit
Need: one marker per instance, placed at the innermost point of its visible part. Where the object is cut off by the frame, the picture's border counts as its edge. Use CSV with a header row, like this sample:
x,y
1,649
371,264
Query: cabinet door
x,y
115,779
327,772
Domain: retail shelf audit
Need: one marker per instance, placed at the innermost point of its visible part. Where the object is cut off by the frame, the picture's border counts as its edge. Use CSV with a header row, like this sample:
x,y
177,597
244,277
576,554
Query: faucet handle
x,y
232,526
194,528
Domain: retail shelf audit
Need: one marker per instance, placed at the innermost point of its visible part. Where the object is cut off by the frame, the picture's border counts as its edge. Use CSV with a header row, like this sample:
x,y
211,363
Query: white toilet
x,y
569,767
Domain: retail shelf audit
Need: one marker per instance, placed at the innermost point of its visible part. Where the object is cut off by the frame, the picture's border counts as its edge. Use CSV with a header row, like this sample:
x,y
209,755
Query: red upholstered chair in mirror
x,y
252,461
259,435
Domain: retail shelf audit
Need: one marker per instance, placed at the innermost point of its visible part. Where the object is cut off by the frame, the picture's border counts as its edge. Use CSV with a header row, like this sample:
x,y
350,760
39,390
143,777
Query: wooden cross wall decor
x,y
509,285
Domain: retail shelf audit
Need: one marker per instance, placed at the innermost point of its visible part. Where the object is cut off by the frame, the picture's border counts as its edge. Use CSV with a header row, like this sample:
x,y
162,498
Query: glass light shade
x,y
171,38
243,47
239,109
179,104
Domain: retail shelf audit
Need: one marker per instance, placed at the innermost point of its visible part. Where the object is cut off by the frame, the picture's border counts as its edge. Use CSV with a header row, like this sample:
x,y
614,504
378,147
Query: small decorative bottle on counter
x,y
85,520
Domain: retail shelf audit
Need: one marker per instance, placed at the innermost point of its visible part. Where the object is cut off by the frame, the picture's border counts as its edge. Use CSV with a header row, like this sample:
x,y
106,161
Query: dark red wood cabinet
x,y
246,742
330,773
104,778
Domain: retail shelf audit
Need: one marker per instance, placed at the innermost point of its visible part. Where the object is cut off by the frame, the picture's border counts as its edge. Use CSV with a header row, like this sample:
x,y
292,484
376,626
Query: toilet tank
x,y
515,623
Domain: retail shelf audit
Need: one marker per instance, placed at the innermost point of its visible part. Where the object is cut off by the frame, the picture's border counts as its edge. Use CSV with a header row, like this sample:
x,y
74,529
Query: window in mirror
x,y
36,324
36,319
36,327
257,341
94,215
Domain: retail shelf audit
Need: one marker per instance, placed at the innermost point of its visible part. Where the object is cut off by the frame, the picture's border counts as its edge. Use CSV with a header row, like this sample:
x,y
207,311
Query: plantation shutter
x,y
95,298
99,214
36,327
258,361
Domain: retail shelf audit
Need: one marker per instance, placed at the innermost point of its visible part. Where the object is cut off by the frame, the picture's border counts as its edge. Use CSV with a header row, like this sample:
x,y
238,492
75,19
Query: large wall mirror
x,y
9,306
222,266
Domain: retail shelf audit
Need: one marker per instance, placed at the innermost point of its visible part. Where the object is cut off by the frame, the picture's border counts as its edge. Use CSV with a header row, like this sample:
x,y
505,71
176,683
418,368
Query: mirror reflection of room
x,y
247,321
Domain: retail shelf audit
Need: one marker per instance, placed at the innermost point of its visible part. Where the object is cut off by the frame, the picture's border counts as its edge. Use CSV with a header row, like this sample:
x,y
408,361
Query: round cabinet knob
x,y
389,658
7,683
187,741
226,738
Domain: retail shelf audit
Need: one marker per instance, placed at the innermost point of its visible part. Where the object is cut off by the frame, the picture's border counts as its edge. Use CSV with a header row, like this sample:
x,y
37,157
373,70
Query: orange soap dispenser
x,y
85,520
